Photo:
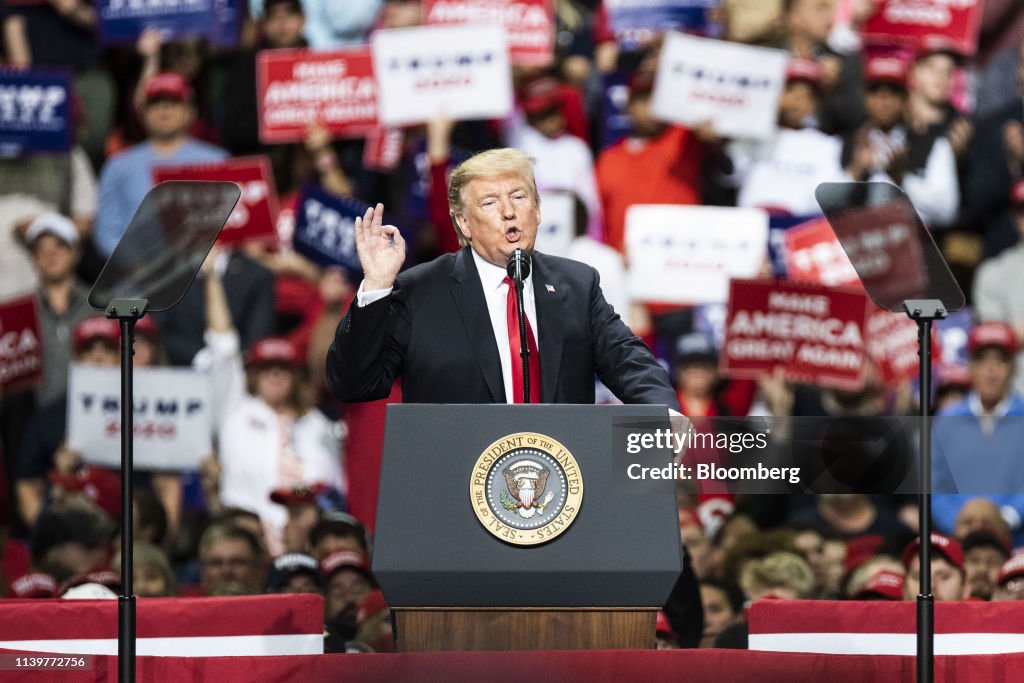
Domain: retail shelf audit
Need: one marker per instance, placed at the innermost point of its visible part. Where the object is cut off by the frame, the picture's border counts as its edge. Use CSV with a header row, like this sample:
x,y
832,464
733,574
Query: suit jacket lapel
x,y
549,321
469,297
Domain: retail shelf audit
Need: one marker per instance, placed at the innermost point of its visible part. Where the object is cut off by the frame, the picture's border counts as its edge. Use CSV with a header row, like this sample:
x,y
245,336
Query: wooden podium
x,y
455,584
525,628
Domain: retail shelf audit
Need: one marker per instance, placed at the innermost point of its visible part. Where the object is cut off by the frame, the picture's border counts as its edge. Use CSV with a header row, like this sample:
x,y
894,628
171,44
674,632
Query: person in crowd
x,y
55,246
723,607
281,27
230,556
691,533
373,623
71,540
670,159
884,150
563,162
94,342
985,552
783,575
126,178
883,584
996,161
338,531
930,110
495,205
996,292
304,504
702,392
269,435
152,576
987,424
294,573
329,25
978,514
1009,585
347,582
804,31
847,515
63,35
947,569
952,384
781,174
607,261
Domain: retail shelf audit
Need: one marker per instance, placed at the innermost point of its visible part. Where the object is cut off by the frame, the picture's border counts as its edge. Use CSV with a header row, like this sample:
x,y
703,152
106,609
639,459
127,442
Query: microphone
x,y
518,266
519,269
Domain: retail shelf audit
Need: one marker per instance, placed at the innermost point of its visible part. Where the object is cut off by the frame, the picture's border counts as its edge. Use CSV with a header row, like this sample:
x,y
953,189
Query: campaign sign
x,y
814,255
172,418
325,228
35,112
123,21
689,253
298,87
383,149
21,351
557,227
637,21
815,334
615,123
461,71
892,344
228,17
734,86
947,23
530,24
255,215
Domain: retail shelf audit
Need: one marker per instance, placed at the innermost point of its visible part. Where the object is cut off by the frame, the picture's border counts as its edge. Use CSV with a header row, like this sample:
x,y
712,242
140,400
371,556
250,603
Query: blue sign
x,y
635,21
123,21
953,333
325,228
35,112
777,227
615,122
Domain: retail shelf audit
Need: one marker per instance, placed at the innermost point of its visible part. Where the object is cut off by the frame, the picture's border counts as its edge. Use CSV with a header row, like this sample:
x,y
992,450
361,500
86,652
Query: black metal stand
x,y
127,312
524,346
925,312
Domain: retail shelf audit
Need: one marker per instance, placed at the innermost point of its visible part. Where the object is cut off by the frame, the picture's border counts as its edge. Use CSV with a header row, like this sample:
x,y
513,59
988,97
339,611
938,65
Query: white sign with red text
x,y
735,87
173,417
689,253
461,71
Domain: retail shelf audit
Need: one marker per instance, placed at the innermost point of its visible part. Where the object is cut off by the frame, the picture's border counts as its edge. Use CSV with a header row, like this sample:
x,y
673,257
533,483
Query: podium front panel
x,y
622,549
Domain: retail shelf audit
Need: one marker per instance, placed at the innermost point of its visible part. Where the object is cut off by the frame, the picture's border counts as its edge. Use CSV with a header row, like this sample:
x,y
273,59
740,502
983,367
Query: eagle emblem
x,y
526,481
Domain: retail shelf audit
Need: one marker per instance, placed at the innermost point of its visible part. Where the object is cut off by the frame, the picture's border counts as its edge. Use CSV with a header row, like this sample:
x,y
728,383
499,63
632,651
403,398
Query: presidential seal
x,y
526,488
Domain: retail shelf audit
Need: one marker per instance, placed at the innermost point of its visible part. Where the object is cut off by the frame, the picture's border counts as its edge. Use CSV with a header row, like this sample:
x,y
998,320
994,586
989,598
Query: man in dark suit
x,y
444,325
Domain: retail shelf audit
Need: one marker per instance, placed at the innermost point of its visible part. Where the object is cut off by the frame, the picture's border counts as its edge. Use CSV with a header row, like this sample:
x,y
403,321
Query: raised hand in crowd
x,y
439,139
148,48
381,249
863,159
15,40
209,480
332,177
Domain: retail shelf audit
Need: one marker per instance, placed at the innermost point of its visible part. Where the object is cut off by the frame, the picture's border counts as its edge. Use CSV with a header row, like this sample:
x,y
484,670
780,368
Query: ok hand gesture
x,y
381,249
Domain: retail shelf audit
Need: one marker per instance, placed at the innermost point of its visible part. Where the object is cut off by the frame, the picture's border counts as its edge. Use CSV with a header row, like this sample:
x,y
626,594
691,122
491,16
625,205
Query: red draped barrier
x,y
651,666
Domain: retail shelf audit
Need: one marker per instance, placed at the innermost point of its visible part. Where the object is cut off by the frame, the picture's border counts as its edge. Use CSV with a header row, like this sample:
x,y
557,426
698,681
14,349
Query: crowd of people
x,y
273,507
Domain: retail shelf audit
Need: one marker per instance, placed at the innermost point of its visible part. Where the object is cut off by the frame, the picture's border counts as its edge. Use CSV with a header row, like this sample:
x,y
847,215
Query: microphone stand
x,y
519,273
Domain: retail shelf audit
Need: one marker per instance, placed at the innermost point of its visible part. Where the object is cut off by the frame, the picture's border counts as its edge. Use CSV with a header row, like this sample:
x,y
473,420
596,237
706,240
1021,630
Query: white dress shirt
x,y
496,295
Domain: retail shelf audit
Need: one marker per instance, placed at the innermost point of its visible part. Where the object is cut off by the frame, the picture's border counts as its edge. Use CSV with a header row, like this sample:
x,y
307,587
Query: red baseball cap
x,y
541,95
861,549
944,545
169,85
886,70
662,625
1017,193
808,70
885,584
96,328
101,486
1011,569
33,585
997,334
99,575
346,559
273,350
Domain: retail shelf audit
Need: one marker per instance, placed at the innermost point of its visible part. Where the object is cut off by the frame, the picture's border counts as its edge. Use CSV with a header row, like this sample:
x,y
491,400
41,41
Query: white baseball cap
x,y
54,224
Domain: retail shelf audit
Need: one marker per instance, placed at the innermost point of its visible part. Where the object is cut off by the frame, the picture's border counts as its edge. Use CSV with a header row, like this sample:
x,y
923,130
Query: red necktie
x,y
512,317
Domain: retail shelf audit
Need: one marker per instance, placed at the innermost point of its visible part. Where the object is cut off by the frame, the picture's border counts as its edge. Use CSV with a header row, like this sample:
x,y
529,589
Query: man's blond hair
x,y
488,164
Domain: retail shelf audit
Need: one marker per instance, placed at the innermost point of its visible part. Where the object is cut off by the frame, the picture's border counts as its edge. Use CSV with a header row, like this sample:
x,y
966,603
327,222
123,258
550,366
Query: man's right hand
x,y
381,250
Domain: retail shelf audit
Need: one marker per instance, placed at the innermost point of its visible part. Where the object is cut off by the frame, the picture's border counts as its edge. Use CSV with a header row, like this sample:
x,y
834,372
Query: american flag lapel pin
x,y
550,288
